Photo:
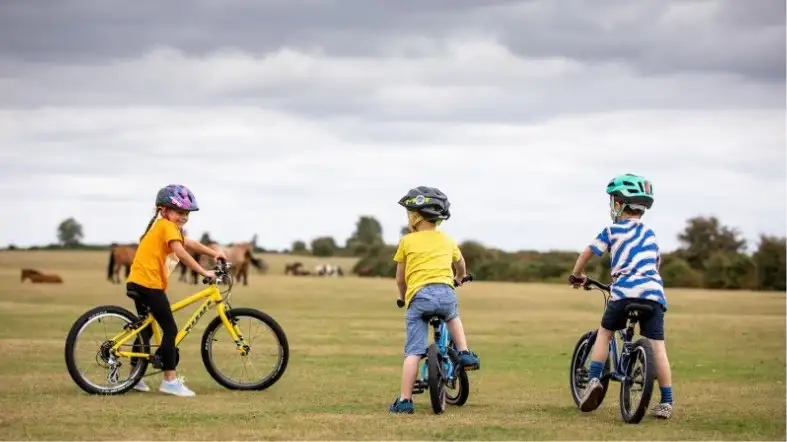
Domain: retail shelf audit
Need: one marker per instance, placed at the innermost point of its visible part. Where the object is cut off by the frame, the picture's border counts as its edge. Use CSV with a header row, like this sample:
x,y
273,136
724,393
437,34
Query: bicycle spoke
x,y
256,366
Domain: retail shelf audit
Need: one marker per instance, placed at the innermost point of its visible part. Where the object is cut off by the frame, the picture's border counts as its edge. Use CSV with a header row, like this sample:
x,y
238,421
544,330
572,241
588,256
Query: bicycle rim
x,y
92,353
264,363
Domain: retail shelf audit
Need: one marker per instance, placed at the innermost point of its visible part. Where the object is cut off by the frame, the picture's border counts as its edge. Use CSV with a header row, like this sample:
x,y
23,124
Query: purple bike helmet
x,y
178,197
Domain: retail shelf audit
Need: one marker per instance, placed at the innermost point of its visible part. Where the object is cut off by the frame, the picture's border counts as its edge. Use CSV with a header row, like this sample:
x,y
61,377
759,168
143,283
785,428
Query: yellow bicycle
x,y
129,342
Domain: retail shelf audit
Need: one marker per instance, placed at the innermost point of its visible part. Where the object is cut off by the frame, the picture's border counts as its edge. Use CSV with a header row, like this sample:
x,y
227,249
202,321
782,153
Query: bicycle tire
x,y
642,346
462,380
574,367
435,379
73,333
266,382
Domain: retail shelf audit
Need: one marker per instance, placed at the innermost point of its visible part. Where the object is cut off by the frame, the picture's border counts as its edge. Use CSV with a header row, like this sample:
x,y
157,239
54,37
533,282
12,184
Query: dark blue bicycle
x,y
621,365
439,369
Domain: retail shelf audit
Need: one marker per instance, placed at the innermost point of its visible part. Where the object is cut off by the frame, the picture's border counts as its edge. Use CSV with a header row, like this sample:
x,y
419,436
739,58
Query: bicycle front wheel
x,y
268,347
88,348
637,389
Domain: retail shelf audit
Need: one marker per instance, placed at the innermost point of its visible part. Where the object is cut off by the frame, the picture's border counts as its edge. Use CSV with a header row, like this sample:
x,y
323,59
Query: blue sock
x,y
596,368
666,395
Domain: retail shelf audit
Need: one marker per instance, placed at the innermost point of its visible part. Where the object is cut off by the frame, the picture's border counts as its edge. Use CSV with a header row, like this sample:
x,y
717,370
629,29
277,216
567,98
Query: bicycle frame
x,y
212,297
620,352
441,337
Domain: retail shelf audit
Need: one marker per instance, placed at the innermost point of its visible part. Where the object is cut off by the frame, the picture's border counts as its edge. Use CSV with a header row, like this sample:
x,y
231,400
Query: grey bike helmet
x,y
429,202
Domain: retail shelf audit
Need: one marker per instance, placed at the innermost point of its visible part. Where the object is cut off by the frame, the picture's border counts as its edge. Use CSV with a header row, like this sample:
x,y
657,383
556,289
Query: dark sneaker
x,y
469,360
592,394
402,406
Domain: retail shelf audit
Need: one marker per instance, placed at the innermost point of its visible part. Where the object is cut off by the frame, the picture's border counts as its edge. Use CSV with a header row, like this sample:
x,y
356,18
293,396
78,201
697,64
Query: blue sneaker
x,y
469,360
402,406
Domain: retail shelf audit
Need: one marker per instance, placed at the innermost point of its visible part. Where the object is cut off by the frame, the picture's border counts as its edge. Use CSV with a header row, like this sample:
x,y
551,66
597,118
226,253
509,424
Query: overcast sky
x,y
290,118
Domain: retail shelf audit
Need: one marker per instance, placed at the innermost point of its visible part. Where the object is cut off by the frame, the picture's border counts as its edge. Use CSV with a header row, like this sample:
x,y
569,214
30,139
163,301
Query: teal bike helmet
x,y
631,191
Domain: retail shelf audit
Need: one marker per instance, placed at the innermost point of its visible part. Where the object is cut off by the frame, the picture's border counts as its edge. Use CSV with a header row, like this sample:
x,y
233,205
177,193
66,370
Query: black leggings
x,y
156,301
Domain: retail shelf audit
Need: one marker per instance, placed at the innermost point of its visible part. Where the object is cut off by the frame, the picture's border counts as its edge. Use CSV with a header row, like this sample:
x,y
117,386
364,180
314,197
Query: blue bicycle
x,y
440,370
621,366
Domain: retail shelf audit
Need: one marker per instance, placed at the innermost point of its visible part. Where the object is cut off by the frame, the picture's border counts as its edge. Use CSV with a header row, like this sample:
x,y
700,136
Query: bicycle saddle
x,y
641,308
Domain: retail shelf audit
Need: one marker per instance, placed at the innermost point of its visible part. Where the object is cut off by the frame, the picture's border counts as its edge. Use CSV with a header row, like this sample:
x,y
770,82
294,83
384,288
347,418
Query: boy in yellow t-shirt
x,y
425,278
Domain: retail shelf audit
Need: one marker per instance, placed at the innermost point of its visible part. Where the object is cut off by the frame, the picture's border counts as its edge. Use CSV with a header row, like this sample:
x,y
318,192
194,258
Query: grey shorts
x,y
431,299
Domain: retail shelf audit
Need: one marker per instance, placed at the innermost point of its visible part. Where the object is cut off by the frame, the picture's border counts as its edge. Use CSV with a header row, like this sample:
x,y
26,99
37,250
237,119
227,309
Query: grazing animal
x,y
37,277
240,255
119,256
194,275
296,268
328,270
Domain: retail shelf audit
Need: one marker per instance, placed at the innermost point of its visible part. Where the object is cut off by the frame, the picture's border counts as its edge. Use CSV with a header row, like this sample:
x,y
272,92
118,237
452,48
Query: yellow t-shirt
x,y
427,256
154,260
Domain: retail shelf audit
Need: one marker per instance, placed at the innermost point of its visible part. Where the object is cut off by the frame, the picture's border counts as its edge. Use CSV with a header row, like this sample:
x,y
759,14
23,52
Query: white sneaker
x,y
663,411
175,387
593,393
141,386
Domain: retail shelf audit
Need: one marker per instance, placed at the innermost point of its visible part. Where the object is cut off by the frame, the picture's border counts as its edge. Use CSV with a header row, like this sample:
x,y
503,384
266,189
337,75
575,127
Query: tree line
x,y
711,255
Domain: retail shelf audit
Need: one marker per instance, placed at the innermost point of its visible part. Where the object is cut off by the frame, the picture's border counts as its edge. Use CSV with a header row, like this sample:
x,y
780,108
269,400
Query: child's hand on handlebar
x,y
577,281
220,255
210,274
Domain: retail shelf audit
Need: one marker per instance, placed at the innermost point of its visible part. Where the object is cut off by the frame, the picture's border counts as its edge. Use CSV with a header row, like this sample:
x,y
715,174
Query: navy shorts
x,y
615,318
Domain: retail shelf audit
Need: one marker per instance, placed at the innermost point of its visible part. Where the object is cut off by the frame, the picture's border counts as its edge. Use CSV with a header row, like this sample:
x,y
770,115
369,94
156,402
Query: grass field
x,y
346,335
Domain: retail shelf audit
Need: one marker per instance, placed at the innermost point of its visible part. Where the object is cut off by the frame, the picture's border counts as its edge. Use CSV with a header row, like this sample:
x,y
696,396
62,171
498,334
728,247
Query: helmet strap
x,y
413,220
616,209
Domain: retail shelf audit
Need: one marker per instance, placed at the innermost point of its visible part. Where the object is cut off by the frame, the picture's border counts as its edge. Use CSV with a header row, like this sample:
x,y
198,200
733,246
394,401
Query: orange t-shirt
x,y
154,260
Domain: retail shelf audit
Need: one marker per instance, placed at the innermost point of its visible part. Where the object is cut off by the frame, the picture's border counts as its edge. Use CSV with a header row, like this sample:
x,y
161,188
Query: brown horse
x,y
296,268
204,260
37,277
119,256
240,255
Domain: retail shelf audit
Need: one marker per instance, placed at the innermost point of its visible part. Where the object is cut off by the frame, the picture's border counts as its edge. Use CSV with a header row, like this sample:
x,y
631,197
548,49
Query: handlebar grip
x,y
469,277
400,303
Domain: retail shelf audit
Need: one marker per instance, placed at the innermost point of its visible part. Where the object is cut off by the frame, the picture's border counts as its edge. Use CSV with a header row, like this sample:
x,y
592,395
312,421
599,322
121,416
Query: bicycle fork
x,y
232,327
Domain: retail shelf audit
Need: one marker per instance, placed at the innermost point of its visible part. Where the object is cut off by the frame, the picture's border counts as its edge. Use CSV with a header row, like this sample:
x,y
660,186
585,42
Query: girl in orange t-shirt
x,y
160,249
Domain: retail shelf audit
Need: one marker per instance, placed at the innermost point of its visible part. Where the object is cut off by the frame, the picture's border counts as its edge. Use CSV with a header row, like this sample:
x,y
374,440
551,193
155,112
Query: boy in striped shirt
x,y
635,259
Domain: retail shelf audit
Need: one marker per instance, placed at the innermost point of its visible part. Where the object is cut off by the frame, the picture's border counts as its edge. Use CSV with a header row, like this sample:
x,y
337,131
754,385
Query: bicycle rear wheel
x,y
215,356
640,374
81,341
435,379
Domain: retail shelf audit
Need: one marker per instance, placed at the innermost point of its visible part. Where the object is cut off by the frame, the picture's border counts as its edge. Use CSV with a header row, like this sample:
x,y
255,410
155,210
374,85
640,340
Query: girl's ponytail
x,y
150,224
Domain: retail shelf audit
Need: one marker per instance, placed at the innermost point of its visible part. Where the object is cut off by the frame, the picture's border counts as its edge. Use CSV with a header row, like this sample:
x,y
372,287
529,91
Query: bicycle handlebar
x,y
221,269
588,283
469,277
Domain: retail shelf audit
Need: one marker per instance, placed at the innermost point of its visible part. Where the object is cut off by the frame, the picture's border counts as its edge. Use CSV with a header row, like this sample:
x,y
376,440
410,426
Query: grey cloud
x,y
745,37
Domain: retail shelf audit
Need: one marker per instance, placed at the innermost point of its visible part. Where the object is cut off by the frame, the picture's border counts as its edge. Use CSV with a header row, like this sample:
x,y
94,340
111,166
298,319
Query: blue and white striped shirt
x,y
634,260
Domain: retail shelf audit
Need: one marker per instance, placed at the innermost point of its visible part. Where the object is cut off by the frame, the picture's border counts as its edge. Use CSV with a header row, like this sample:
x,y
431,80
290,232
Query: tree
x,y
69,232
676,272
324,246
205,238
368,235
705,236
299,247
254,241
770,263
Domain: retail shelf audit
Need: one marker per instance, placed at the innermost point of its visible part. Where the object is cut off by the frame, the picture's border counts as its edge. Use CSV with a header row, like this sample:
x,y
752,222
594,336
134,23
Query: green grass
x,y
727,351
